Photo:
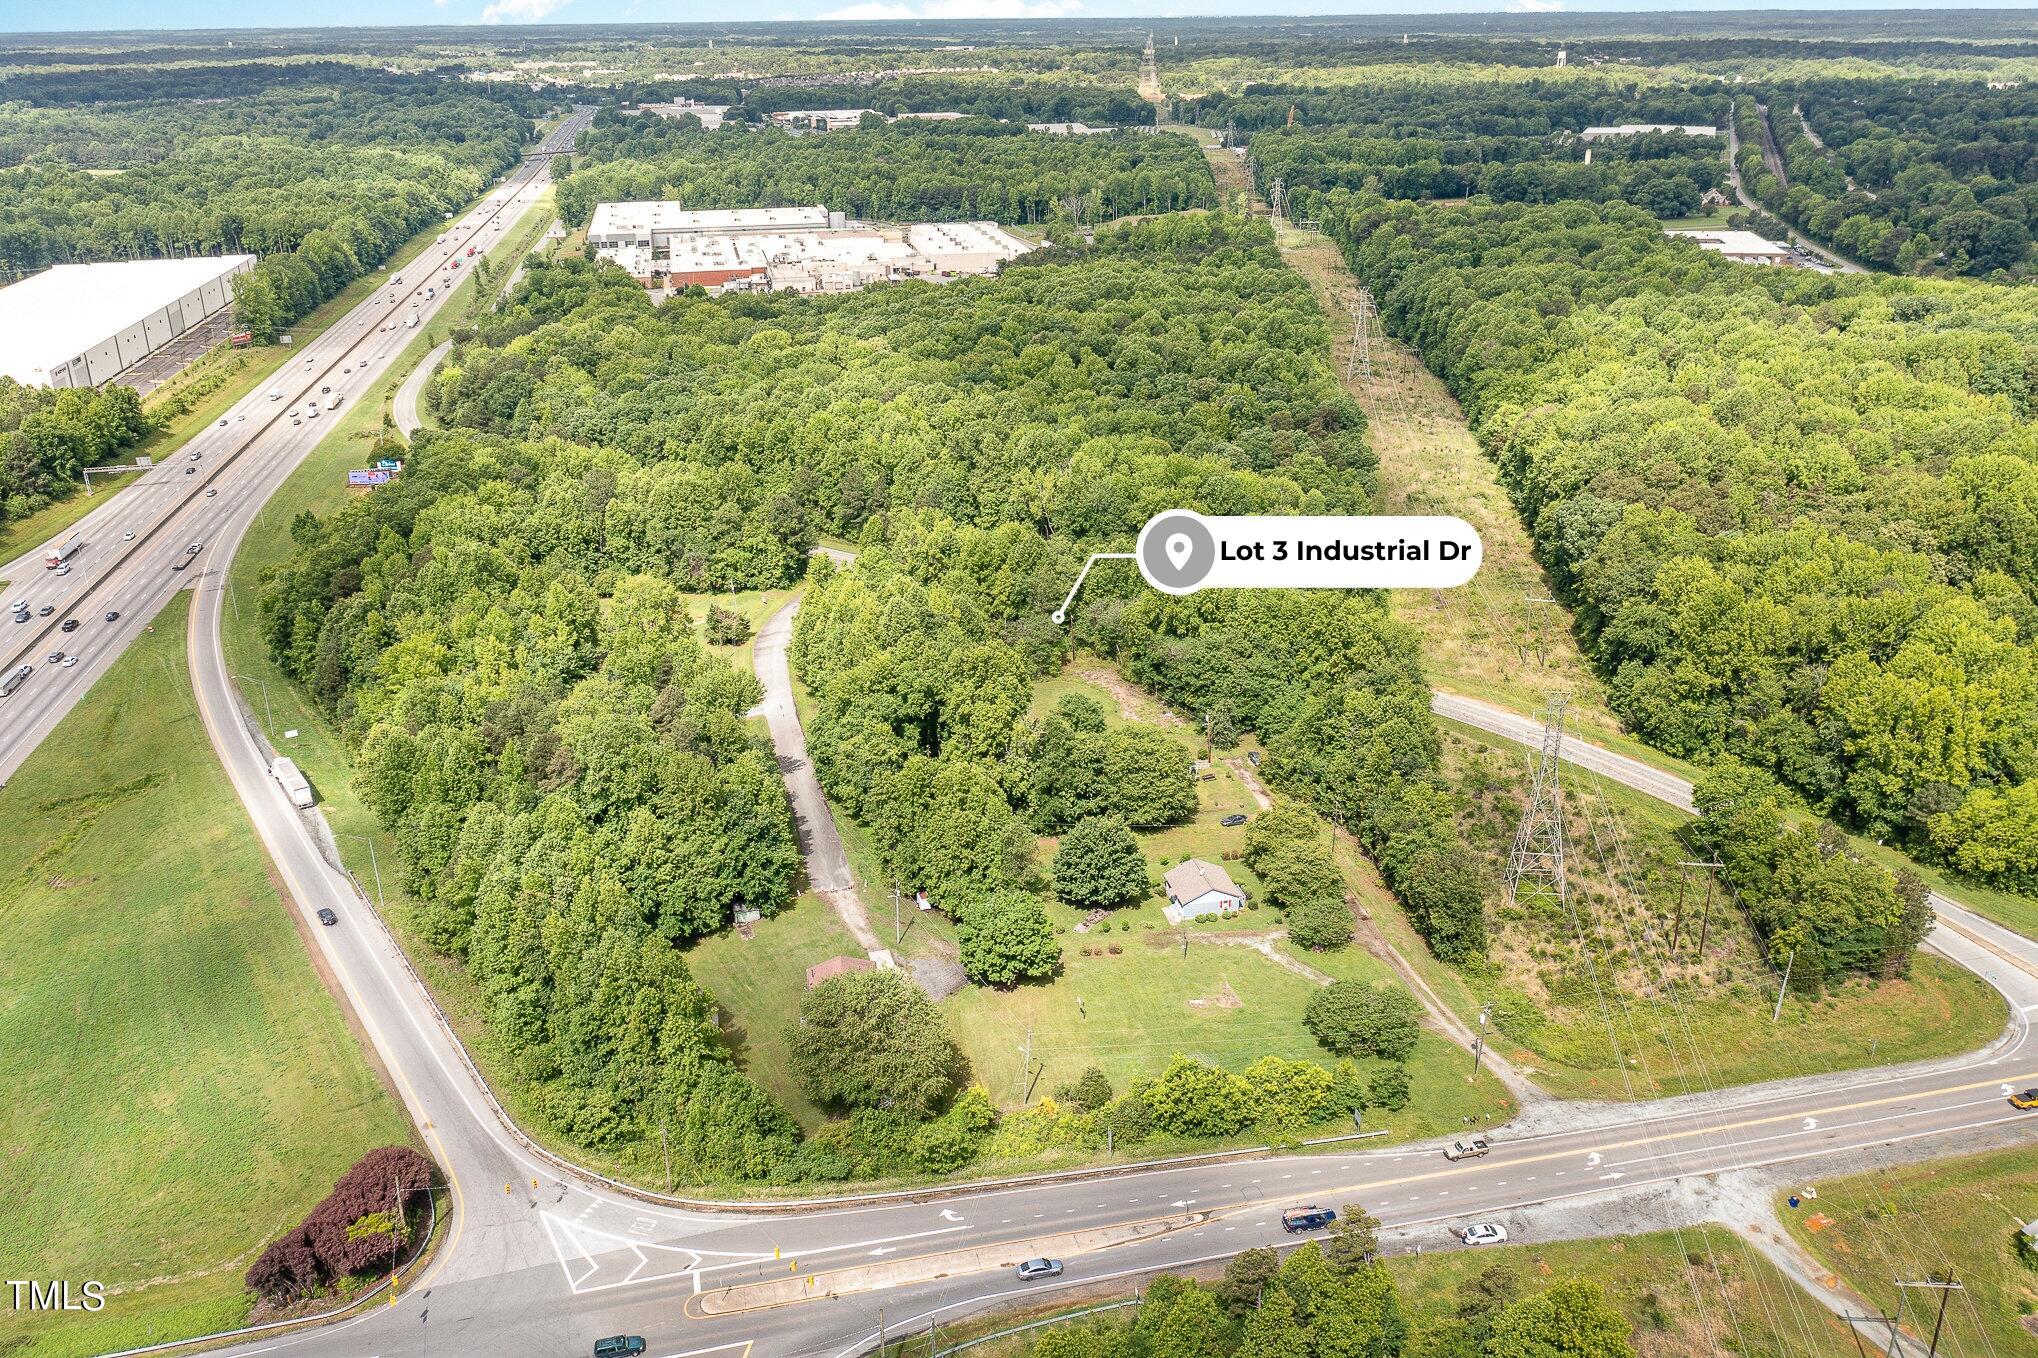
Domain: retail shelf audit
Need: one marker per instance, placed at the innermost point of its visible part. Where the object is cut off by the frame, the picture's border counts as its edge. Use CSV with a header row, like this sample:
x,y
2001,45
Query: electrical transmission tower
x,y
1361,359
1277,201
1149,71
1535,865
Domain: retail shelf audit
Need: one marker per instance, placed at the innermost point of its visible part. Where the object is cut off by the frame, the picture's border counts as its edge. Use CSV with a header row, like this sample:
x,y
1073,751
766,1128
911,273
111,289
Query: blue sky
x,y
32,15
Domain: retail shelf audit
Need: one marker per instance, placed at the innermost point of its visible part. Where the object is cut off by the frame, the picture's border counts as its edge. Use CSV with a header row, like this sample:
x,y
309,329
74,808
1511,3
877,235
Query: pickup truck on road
x,y
1467,1148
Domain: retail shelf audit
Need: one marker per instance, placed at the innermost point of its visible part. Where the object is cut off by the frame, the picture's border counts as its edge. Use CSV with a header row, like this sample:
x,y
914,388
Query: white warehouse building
x,y
82,325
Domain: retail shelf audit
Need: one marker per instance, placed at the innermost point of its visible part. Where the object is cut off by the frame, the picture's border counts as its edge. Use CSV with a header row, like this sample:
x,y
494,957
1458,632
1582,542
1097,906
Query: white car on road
x,y
1484,1233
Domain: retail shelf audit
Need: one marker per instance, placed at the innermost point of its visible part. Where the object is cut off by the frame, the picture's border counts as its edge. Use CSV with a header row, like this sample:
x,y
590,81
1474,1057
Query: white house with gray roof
x,y
1198,890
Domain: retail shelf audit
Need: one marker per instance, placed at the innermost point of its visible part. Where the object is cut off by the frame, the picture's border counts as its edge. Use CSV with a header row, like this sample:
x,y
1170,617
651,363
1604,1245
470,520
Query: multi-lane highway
x,y
134,539
540,1258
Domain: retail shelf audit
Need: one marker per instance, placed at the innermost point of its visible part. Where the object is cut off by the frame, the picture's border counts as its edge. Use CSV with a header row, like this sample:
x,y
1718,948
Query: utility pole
x,y
1539,599
1944,1287
1479,1039
1780,990
898,929
1025,1063
1535,865
1361,359
665,1141
1677,928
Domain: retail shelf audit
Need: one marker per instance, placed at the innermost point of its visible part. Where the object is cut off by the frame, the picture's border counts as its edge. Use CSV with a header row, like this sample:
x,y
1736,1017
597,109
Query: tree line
x,y
322,174
1914,177
906,171
1792,512
47,437
1337,1299
1665,172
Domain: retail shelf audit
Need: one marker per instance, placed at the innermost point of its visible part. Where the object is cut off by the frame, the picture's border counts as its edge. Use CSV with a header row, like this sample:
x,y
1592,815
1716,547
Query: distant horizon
x,y
255,16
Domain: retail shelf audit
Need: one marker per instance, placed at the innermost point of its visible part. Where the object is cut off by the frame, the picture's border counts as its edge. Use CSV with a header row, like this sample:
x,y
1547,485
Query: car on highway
x,y
275,395
70,625
326,916
1310,1218
619,1346
2027,1099
56,657
222,422
295,420
349,368
1484,1233
128,536
194,451
45,610
1467,1148
1038,1268
113,615
210,492
64,569
70,660
1233,819
189,470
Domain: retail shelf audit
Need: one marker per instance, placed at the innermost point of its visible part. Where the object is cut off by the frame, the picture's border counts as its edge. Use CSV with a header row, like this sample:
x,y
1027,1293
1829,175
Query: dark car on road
x,y
619,1346
70,624
1039,1268
113,615
1307,1219
326,916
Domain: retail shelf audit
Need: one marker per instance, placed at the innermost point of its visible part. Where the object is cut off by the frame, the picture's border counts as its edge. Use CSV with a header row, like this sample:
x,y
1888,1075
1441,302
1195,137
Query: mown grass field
x,y
181,1083
1920,1221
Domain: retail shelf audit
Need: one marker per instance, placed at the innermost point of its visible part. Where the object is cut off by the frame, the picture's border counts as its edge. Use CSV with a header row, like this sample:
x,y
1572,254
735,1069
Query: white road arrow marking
x,y
1617,1174
1811,1124
1592,1160
2007,1091
948,1215
882,1250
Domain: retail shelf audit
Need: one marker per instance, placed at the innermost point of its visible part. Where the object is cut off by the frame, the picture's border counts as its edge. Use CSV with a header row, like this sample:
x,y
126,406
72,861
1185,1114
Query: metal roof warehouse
x,y
81,325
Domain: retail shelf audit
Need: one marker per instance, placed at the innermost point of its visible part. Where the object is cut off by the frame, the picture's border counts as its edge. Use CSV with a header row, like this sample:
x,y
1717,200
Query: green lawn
x,y
758,981
1949,1214
181,1084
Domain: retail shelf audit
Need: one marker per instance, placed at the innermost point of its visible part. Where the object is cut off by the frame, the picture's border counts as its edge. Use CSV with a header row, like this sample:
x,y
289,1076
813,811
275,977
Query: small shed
x,y
1198,889
837,966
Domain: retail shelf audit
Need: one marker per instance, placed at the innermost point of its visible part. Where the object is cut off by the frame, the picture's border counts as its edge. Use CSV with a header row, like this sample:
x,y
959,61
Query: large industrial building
x,y
789,249
82,325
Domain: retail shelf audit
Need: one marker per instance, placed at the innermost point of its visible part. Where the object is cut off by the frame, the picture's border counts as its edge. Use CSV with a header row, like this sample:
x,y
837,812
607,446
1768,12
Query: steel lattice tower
x,y
1535,865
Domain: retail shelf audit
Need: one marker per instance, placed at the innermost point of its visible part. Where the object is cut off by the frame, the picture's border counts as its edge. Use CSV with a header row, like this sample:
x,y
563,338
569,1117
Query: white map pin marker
x,y
1179,547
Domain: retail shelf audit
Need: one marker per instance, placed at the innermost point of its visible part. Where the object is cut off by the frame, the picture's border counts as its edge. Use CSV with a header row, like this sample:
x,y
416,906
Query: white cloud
x,y
957,9
520,11
999,9
870,9
1536,7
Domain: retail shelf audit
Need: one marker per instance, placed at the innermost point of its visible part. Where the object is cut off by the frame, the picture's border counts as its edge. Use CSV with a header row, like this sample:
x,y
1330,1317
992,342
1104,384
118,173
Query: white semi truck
x,y
62,552
285,771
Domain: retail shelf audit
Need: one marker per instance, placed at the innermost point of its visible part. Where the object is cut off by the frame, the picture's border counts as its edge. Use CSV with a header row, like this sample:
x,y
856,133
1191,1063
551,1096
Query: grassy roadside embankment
x,y
182,1085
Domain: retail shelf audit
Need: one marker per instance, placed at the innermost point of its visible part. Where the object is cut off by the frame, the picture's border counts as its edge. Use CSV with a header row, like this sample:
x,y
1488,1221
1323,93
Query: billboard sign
x,y
368,478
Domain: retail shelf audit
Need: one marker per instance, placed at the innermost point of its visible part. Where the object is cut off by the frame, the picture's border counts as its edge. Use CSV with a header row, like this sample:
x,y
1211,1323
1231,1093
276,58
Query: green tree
x,y
1354,1238
1351,1018
1098,863
1245,1280
1006,938
1150,777
1090,1091
873,1040
1569,1319
1389,1088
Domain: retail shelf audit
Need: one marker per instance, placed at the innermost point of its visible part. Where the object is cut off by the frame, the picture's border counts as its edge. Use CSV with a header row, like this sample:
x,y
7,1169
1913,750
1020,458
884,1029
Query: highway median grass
x,y
182,1085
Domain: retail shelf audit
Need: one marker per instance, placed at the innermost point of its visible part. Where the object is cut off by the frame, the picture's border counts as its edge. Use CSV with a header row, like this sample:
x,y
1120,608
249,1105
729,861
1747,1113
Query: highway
x,y
540,1258
136,535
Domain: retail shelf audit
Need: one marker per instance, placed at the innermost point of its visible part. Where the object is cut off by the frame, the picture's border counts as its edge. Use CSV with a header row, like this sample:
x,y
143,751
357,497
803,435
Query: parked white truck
x,y
284,769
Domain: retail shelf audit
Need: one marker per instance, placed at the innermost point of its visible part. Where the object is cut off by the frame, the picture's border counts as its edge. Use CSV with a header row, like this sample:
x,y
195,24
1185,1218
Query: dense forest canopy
x,y
322,174
908,170
505,643
48,437
1794,512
